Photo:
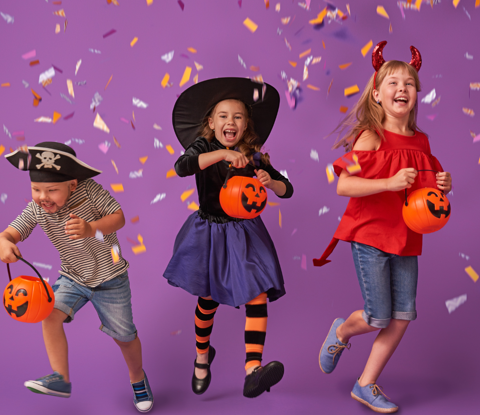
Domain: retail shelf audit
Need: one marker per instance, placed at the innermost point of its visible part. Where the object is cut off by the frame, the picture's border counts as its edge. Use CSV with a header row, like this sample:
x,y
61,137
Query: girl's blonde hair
x,y
367,114
248,144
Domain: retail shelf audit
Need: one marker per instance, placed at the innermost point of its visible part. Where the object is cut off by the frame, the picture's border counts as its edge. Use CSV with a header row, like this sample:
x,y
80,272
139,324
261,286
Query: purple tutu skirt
x,y
232,262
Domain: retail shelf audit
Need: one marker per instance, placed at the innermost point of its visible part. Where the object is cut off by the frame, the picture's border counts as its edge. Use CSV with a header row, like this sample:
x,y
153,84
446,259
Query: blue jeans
x,y
111,299
388,283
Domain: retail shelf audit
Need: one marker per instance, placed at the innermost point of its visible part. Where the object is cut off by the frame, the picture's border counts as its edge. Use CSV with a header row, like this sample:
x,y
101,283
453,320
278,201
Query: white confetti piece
x,y
81,83
279,31
66,98
467,13
430,97
136,174
25,83
138,103
8,18
43,119
168,56
314,155
158,197
96,100
77,66
242,62
284,173
156,126
464,256
3,197
94,51
44,266
157,143
323,210
468,56
5,130
456,302
48,74
74,140
99,235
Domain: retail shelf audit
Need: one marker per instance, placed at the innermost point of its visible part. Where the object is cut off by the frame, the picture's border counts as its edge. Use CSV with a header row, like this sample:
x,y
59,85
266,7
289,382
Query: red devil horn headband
x,y
378,60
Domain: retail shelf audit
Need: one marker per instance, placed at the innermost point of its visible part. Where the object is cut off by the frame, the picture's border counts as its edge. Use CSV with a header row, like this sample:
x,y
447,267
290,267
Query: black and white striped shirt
x,y
87,261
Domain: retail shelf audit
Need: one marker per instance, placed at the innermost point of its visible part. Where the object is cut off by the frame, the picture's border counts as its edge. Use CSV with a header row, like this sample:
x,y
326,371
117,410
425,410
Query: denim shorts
x,y
388,283
111,299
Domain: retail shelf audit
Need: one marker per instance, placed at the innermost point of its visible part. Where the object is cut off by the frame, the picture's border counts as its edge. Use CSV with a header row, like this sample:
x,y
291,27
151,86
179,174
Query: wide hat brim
x,y
48,164
194,104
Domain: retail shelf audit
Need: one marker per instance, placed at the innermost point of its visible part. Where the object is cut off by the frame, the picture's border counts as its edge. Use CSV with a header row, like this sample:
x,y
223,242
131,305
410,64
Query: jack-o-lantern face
x,y
25,299
243,198
428,210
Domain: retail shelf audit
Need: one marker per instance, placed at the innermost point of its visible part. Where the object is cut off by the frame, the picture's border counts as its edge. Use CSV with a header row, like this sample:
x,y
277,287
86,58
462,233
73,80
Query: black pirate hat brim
x,y
197,101
58,166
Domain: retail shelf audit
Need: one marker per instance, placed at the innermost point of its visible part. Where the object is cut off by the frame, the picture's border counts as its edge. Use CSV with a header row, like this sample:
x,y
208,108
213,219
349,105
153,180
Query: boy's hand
x,y
78,228
444,181
8,250
264,178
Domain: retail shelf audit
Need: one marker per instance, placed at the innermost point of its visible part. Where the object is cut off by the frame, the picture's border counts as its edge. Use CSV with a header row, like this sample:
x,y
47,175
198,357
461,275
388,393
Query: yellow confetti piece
x,y
143,159
455,3
315,88
193,206
330,173
57,28
117,187
115,166
100,124
171,173
170,149
294,64
195,79
250,25
351,90
198,66
320,17
186,194
5,84
138,249
382,12
355,168
2,149
56,116
149,2
279,218
418,4
115,254
471,273
108,82
70,88
273,204
345,65
366,48
192,50
343,109
165,80
186,76
134,40
304,53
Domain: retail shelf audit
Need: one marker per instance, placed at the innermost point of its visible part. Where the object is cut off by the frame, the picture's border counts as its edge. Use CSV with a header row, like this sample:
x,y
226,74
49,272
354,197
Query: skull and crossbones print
x,y
48,160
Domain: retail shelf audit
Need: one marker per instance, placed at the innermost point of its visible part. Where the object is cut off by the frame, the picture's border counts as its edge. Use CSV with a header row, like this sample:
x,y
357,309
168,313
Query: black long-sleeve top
x,y
210,180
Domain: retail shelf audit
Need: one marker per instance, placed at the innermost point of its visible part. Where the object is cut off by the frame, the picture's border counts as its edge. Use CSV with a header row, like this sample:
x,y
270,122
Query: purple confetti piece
x,y
104,147
181,4
240,3
303,264
294,231
18,132
57,69
290,100
67,117
432,117
124,120
109,33
185,56
477,138
30,54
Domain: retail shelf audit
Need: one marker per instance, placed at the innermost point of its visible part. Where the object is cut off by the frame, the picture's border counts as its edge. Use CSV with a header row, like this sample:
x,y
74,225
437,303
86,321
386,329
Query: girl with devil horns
x,y
223,124
386,151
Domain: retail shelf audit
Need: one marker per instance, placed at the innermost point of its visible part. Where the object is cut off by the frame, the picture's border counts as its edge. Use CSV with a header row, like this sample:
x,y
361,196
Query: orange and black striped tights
x,y
255,327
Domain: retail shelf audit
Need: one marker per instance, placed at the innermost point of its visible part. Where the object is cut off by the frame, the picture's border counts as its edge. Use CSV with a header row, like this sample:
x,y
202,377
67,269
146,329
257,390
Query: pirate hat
x,y
197,101
51,162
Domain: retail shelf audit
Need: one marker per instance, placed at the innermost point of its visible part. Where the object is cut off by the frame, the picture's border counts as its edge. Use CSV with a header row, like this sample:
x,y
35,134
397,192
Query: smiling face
x,y
229,120
397,94
52,197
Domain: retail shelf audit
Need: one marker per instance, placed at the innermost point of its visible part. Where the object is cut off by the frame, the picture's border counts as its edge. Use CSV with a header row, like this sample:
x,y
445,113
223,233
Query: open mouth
x,y
229,134
402,100
48,205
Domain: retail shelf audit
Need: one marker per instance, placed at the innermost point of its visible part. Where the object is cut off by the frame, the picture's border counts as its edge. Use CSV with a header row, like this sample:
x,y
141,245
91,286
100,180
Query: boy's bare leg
x,y
132,353
56,342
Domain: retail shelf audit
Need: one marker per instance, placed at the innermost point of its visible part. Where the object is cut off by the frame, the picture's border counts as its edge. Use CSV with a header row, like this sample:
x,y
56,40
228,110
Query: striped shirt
x,y
87,261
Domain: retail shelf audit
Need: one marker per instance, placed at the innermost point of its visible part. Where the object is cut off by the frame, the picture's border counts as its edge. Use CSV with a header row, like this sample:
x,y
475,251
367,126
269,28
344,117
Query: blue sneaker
x,y
53,385
373,397
332,349
142,395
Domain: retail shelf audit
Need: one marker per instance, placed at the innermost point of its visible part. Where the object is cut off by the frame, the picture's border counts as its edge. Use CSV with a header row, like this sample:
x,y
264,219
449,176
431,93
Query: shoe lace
x,y
140,390
376,389
337,348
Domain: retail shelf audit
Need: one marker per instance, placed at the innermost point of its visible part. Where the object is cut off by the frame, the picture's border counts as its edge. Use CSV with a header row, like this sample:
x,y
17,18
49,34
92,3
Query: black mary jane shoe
x,y
262,379
199,386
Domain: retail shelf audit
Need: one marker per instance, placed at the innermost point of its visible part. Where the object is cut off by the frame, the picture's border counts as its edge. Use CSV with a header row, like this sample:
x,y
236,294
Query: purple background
x,y
436,367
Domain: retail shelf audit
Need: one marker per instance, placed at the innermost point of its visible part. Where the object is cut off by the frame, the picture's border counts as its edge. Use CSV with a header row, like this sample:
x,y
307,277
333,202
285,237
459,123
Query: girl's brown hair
x,y
248,144
367,114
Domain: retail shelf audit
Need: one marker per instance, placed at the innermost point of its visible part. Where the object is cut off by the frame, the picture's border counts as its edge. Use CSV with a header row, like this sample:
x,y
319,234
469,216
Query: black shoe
x,y
262,379
199,386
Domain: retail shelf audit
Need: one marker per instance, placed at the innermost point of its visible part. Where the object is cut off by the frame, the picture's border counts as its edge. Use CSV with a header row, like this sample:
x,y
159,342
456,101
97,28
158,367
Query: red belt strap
x,y
323,259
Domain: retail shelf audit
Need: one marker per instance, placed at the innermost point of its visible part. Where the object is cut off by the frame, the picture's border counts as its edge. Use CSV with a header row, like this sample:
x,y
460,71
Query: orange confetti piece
x,y
198,66
135,219
320,17
468,111
477,3
134,40
418,4
390,29
273,204
57,3
366,48
2,149
267,3
304,53
250,25
195,79
193,206
351,90
36,95
56,116
186,194
5,84
133,116
285,20
279,218
315,88
255,68
60,13
143,159
472,274
165,80
345,65
455,3
46,82
133,126
116,142
382,12
323,43
330,86
343,109
170,149
115,166
171,173
117,187
186,76
294,64
192,50
33,63
108,82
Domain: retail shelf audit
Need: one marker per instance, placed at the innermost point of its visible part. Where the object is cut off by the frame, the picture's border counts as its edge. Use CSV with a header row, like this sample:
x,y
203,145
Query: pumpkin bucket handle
x,y
30,265
406,201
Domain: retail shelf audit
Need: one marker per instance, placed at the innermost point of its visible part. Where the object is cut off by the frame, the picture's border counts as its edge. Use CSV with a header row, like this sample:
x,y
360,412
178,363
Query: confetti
x,y
366,48
104,147
390,28
186,194
116,142
143,160
25,83
195,79
135,219
181,4
464,256
314,155
136,174
242,62
175,333
117,187
186,76
2,149
323,210
277,7
468,56
429,97
158,197
431,117
250,25
345,65
60,13
56,116
70,88
330,173
287,44
138,103
3,196
330,86
351,90
111,76
436,102
471,273
77,66
8,18
382,12
96,100
36,98
115,254
285,20
156,126
157,143
139,248
304,53
134,40
5,130
100,124
319,18
198,66
111,32
43,119
354,168
168,56
94,51
114,166
165,80
66,98
475,86
30,54
279,218
294,64
456,302
303,263
255,95
193,206
290,100
65,25
455,3
99,235
171,173
273,204
33,63
468,111
44,266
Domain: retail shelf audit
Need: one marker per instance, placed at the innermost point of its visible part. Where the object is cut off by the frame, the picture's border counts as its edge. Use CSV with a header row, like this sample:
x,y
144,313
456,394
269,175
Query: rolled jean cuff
x,y
66,309
117,336
404,315
379,323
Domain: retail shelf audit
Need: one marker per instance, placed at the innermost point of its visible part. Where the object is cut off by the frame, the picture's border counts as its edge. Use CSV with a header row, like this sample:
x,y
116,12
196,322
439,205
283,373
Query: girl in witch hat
x,y
386,150
221,259
81,220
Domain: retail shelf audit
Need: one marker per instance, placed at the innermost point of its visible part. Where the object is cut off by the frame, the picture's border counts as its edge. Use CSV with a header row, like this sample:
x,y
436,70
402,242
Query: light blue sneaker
x,y
53,385
142,395
373,397
332,349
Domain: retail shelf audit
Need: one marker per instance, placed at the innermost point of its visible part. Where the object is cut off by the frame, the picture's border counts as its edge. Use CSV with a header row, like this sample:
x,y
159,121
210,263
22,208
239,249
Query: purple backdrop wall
x,y
436,367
